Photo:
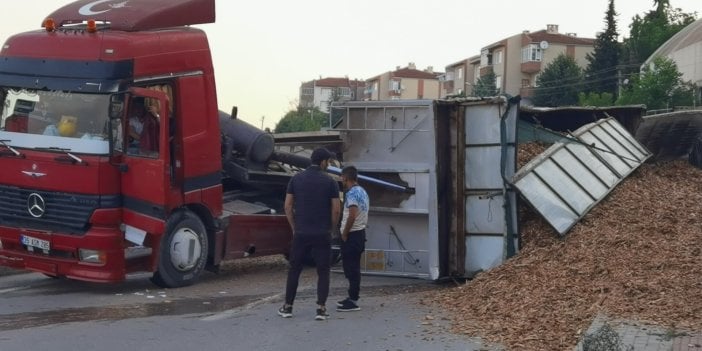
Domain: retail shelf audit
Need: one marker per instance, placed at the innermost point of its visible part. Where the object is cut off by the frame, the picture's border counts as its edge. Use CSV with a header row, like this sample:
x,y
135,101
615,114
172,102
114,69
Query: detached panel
x,y
574,174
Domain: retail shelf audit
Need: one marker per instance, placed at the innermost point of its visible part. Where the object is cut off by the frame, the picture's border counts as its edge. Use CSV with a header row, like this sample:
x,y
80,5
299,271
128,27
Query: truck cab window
x,y
143,128
54,119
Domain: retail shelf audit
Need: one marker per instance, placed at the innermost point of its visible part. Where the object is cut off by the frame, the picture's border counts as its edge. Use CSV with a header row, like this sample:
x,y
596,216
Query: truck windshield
x,y
67,120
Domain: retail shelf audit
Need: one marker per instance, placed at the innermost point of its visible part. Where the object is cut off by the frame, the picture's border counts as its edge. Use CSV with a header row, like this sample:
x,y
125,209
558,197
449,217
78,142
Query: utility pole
x,y
619,81
262,118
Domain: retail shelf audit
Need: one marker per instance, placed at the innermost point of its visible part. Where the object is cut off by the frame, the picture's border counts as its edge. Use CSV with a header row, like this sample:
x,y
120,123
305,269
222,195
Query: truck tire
x,y
183,252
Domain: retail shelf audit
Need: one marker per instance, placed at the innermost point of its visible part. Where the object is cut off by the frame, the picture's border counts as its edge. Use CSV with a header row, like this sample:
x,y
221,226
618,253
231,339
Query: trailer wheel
x,y
183,252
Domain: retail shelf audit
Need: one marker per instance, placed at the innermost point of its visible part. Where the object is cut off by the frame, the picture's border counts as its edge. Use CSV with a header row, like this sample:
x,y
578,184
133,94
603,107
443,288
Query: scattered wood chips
x,y
636,255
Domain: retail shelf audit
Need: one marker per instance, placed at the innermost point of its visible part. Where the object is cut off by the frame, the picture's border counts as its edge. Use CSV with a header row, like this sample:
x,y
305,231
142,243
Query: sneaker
x,y
321,314
342,302
285,311
348,306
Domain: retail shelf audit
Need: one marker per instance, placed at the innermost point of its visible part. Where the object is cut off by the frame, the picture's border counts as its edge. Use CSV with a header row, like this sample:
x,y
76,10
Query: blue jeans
x,y
351,251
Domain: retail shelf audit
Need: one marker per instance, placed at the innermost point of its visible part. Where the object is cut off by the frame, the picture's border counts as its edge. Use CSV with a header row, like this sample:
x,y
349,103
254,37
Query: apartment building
x,y
518,60
322,92
459,78
404,83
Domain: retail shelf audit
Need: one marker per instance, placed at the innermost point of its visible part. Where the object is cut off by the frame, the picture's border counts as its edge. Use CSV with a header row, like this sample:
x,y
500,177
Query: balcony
x,y
526,92
531,67
485,70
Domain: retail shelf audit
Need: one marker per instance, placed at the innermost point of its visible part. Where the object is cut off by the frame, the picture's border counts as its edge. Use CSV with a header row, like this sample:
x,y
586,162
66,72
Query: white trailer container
x,y
457,156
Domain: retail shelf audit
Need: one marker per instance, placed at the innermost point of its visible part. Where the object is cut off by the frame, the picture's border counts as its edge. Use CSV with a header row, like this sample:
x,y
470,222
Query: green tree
x,y
595,99
603,62
659,86
649,32
302,120
559,83
486,85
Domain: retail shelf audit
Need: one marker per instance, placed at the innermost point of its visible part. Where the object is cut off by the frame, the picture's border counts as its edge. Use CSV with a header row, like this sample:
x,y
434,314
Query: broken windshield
x,y
54,119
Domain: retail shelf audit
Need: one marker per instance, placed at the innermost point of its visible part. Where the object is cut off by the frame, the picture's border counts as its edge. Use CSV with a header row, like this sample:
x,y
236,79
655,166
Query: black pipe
x,y
291,159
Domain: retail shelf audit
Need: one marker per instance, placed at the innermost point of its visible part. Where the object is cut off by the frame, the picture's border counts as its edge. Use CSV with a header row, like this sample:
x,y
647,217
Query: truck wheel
x,y
183,252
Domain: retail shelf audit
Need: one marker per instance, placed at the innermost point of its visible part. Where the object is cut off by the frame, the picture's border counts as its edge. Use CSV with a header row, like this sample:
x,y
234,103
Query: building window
x,y
395,85
531,52
498,83
344,91
307,91
326,93
525,83
460,73
485,58
498,57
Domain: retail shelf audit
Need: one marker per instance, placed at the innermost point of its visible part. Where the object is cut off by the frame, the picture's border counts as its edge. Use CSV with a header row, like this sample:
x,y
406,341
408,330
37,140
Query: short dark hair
x,y
350,173
319,155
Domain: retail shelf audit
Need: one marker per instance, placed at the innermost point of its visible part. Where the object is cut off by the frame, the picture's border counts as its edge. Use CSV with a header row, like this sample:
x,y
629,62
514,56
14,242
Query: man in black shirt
x,y
312,207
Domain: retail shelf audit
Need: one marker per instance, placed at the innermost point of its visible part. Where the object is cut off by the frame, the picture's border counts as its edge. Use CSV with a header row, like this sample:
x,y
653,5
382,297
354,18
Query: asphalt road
x,y
234,310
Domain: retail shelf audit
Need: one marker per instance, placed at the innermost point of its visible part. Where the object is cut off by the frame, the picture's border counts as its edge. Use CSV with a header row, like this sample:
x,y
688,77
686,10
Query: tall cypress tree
x,y
602,69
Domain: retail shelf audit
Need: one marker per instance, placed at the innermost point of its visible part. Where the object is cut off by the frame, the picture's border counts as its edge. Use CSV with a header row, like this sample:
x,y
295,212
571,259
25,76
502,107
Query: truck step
x,y
133,252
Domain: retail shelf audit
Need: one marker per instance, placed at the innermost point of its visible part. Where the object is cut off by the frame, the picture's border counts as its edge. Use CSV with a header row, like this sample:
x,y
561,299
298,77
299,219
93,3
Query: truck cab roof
x,y
136,15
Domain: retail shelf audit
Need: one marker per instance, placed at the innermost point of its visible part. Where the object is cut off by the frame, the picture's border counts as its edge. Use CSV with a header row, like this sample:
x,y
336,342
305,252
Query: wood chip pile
x,y
636,255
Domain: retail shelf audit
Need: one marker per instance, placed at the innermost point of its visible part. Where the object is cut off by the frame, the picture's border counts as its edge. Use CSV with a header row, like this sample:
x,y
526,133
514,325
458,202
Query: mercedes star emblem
x,y
36,206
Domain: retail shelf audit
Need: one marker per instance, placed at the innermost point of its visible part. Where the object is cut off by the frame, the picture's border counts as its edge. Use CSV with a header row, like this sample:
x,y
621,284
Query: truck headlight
x,y
92,256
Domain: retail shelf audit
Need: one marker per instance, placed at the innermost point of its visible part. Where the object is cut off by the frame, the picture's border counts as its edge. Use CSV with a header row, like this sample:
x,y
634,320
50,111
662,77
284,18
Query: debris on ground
x,y
604,338
634,256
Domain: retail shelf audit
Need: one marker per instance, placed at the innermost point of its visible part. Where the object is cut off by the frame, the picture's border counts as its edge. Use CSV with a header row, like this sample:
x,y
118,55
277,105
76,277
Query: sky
x,y
264,49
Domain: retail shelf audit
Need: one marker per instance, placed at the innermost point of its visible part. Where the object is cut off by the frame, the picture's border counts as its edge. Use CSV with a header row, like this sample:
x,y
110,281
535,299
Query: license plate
x,y
34,242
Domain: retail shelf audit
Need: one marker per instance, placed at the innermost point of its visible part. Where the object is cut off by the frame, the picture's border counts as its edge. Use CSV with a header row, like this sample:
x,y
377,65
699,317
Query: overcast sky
x,y
264,49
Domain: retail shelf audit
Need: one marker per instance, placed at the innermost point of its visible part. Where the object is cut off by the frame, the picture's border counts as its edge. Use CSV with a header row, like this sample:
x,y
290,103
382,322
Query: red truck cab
x,y
81,197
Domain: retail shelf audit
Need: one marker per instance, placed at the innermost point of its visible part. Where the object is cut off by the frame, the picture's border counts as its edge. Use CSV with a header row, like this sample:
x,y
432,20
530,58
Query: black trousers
x,y
351,251
320,248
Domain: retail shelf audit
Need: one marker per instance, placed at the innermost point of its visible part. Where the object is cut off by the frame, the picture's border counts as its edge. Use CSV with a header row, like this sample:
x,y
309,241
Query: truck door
x,y
146,160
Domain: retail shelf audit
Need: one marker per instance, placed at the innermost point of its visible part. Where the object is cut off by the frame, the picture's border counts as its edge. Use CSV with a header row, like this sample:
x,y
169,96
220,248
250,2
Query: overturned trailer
x,y
457,215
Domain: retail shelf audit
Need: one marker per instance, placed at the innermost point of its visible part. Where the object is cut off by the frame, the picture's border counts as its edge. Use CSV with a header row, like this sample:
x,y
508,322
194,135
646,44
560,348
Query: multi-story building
x,y
459,78
404,83
518,60
320,93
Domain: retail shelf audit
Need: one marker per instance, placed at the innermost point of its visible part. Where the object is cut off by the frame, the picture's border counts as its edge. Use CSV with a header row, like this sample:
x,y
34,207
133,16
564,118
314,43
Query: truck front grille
x,y
62,212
